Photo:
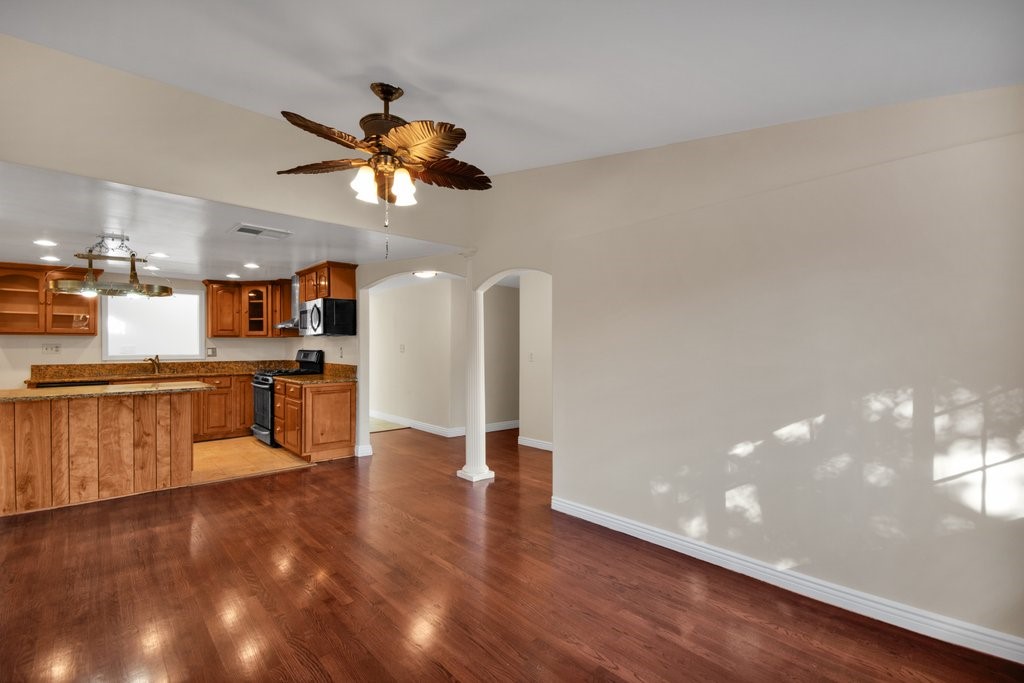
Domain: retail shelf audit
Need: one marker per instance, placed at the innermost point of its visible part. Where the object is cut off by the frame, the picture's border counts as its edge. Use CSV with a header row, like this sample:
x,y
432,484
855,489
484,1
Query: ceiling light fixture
x,y
425,273
45,243
252,266
159,254
150,268
51,259
233,276
110,248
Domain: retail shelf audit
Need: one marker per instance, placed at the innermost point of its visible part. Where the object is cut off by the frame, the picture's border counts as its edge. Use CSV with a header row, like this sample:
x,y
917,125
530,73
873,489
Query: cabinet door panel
x,y
222,310
292,425
255,304
218,418
328,412
22,305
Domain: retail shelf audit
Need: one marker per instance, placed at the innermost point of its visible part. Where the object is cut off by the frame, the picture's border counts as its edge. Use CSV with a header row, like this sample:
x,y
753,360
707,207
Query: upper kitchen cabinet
x,y
248,309
28,307
255,310
328,280
222,309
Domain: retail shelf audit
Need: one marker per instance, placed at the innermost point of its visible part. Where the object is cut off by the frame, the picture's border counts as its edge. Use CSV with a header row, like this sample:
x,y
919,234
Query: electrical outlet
x,y
51,349
401,348
531,356
211,351
341,352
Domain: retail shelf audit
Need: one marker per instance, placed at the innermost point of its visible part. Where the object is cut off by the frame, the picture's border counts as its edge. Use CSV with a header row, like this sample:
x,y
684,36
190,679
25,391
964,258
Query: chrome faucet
x,y
155,360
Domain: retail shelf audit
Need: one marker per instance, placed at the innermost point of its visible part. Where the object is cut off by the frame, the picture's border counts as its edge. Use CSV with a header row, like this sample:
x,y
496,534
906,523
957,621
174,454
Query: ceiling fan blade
x,y
423,141
327,133
327,166
452,173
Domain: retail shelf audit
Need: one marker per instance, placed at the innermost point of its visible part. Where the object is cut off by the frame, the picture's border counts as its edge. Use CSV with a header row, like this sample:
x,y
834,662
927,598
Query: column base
x,y
475,476
364,450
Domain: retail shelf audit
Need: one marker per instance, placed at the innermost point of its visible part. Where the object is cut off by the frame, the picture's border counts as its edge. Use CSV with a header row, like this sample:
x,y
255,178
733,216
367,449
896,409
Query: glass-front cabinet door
x,y
22,302
256,306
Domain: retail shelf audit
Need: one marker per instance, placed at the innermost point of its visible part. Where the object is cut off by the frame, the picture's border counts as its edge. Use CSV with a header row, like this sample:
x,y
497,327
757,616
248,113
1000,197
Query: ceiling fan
x,y
399,152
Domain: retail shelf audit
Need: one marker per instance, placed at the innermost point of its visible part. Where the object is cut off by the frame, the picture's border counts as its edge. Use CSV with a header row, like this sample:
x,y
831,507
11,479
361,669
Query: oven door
x,y
263,412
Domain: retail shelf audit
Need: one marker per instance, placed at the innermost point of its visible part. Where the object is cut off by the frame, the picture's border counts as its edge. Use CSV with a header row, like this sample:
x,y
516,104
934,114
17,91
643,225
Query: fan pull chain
x,y
387,221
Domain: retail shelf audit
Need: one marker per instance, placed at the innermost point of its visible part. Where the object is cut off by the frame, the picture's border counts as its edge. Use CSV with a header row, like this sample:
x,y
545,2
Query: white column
x,y
363,446
475,468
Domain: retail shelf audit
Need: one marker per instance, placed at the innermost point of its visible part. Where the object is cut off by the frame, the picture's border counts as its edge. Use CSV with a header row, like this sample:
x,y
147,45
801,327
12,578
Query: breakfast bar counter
x,y
67,445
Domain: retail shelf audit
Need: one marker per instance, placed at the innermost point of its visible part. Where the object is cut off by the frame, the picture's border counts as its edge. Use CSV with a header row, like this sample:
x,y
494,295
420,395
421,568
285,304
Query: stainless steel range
x,y
311,362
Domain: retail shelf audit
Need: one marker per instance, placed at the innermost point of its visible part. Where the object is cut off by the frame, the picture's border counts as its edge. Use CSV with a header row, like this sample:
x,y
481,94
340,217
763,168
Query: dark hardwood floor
x,y
391,568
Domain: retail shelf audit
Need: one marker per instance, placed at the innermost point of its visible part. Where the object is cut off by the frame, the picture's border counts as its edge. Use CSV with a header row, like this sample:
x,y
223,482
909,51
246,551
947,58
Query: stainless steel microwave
x,y
328,317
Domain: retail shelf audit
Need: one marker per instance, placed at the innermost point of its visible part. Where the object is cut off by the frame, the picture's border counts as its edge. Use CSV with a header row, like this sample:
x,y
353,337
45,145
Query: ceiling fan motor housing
x,y
379,124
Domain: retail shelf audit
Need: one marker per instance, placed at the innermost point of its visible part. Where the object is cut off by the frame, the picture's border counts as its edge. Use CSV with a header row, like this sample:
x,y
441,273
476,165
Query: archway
x,y
476,468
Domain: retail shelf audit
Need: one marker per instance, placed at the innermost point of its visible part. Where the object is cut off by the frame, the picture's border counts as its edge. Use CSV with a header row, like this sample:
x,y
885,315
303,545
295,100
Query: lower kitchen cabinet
x,y
318,420
225,412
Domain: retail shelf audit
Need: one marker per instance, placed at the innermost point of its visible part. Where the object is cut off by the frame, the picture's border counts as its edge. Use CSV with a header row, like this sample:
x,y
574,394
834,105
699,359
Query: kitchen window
x,y
171,326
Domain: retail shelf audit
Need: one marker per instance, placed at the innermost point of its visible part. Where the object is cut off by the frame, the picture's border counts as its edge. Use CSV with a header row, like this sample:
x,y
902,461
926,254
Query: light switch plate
x,y
211,351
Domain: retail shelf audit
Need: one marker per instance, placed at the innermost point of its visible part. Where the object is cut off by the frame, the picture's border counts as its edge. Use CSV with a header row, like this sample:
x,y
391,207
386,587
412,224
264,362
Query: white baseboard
x,y
364,450
502,426
447,432
920,621
536,443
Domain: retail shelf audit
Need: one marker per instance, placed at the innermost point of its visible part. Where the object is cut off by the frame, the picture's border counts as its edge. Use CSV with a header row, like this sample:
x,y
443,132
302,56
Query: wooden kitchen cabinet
x,y
222,309
316,421
28,307
328,280
328,420
248,309
225,412
255,300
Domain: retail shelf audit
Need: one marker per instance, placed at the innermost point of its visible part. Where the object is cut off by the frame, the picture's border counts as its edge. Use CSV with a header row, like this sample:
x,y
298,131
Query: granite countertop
x,y
11,395
315,379
172,370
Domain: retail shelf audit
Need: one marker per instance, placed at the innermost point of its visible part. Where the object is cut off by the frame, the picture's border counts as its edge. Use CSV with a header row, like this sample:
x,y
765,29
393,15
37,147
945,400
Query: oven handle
x,y
257,385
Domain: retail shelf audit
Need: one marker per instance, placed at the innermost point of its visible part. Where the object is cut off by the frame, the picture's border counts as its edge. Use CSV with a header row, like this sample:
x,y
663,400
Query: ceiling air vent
x,y
259,231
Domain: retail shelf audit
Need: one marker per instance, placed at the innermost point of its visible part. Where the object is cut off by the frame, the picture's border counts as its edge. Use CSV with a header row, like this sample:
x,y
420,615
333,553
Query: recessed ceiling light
x,y
150,268
251,265
233,276
159,254
425,273
45,243
49,258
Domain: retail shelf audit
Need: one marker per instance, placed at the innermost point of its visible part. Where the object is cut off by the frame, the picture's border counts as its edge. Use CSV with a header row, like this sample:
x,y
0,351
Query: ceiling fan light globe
x,y
404,200
368,197
364,182
402,184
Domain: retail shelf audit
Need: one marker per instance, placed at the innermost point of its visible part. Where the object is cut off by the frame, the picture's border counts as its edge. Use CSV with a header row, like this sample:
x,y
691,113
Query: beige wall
x,y
821,372
410,366
501,347
535,356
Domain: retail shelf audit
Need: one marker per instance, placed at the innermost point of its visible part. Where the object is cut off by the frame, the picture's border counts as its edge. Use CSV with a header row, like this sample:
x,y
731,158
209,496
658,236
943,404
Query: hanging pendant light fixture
x,y
107,250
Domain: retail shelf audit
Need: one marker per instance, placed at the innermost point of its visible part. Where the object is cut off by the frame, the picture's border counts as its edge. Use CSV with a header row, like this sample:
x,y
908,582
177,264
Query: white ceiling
x,y
535,82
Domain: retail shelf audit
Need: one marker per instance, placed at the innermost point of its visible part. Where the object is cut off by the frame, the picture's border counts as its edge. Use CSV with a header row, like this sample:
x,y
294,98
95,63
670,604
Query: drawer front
x,y
278,405
294,391
218,381
278,389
